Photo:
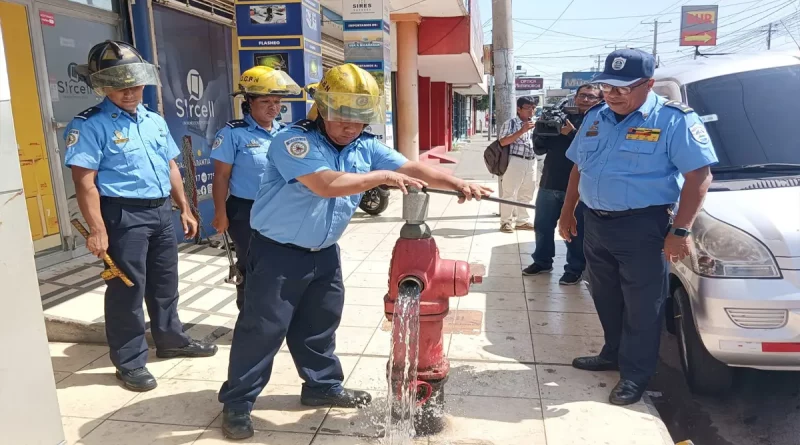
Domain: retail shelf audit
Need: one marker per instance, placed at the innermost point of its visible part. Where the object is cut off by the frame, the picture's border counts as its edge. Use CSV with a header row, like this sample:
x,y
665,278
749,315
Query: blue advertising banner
x,y
284,35
573,80
194,56
367,45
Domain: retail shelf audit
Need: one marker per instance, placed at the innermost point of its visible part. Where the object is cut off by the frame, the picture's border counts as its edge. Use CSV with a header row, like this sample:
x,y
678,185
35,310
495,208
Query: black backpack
x,y
496,158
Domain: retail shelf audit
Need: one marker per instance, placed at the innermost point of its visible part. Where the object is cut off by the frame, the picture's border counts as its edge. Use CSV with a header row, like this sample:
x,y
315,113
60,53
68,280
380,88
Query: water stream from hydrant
x,y
402,399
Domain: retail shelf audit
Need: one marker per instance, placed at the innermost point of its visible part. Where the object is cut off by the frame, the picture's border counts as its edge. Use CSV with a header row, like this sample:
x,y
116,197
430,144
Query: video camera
x,y
553,119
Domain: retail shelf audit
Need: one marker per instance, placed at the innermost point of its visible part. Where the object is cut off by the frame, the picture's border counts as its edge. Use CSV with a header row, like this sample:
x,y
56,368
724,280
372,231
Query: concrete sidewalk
x,y
510,343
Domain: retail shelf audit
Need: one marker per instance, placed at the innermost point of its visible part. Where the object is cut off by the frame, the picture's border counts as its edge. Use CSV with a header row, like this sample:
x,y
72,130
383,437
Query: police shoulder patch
x,y
699,133
72,137
217,142
298,146
678,105
89,112
305,125
237,123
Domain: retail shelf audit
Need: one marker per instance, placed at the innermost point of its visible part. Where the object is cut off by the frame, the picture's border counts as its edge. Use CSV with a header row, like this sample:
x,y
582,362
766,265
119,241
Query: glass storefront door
x,y
67,41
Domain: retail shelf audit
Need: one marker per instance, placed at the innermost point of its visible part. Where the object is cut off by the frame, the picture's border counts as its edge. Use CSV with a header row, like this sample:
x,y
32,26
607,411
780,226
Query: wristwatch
x,y
680,231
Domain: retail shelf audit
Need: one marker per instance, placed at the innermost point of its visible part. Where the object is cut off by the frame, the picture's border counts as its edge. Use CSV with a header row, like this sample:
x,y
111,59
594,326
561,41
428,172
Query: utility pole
x,y
769,37
503,47
655,34
491,106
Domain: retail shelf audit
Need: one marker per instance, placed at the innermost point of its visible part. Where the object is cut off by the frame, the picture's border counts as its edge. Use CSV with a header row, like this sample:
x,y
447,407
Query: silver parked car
x,y
736,301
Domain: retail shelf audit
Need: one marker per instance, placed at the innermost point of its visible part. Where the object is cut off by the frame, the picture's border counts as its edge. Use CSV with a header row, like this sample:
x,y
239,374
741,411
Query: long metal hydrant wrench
x,y
483,198
234,276
113,271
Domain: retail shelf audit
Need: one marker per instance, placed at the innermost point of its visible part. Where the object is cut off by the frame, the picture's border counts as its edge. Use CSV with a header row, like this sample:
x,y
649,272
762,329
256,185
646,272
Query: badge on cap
x,y
618,63
699,133
72,137
217,142
297,146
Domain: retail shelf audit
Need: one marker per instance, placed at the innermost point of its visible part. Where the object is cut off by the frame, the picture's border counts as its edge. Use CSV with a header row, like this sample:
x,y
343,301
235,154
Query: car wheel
x,y
704,374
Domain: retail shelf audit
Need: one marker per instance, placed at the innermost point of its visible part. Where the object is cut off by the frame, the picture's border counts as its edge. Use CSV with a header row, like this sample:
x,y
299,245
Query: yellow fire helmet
x,y
311,89
347,93
312,112
266,81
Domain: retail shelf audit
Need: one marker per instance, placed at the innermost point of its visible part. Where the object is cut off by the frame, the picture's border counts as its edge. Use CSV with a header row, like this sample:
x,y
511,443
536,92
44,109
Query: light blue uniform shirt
x,y
638,162
244,144
287,211
131,155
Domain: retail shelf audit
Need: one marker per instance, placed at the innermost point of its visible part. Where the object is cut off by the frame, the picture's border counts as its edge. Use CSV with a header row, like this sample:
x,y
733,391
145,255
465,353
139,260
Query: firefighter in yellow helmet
x,y
239,152
316,173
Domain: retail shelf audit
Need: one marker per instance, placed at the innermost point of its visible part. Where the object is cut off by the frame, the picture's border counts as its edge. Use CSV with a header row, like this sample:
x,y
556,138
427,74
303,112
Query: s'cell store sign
x,y
196,77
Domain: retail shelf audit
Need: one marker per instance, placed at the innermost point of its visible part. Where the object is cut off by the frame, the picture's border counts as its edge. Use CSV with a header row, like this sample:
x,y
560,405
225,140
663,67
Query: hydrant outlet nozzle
x,y
409,281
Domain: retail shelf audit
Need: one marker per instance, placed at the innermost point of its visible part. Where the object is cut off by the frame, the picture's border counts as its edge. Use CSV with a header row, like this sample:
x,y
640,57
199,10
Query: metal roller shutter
x,y
332,52
220,11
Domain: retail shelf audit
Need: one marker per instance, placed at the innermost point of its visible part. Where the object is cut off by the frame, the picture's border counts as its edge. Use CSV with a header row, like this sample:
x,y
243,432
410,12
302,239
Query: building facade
x,y
201,47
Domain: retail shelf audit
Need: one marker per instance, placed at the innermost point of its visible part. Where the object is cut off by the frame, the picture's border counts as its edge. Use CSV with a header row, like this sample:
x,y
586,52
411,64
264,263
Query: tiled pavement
x,y
510,342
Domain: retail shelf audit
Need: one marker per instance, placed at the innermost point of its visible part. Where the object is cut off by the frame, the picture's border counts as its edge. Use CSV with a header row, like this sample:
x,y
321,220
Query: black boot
x,y
346,398
627,392
139,379
595,363
193,349
237,425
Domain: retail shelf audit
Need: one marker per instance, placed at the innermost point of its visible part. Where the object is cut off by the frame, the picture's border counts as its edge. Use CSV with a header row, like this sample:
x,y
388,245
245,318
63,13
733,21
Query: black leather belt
x,y
523,157
291,246
238,199
606,214
150,203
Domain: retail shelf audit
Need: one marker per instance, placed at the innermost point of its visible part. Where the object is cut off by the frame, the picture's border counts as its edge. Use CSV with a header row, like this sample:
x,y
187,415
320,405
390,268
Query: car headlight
x,y
721,250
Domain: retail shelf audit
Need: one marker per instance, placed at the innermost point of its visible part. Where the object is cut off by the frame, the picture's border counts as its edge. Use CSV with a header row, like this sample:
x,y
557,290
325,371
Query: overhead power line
x,y
551,25
623,16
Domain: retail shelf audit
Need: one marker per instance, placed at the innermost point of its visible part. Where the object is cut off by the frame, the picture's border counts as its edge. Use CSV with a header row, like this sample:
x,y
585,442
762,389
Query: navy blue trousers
x,y
548,210
238,211
293,294
627,272
142,243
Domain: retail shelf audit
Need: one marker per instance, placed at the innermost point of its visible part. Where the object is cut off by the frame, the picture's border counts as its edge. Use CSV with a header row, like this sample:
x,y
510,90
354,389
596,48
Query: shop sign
x,y
195,85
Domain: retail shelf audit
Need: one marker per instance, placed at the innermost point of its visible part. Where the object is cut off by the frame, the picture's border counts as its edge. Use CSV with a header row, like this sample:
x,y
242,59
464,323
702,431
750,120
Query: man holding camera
x,y
553,188
518,183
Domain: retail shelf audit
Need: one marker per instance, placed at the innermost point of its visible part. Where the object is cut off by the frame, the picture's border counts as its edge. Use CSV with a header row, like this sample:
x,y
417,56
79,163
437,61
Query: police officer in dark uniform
x,y
315,176
122,160
239,152
635,157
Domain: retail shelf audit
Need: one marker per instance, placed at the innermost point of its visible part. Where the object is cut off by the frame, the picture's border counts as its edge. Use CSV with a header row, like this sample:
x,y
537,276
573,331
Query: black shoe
x,y
595,363
535,269
139,379
237,425
346,398
627,392
193,349
569,279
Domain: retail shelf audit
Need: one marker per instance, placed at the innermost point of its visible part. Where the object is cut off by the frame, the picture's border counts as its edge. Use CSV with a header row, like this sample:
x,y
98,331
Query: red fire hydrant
x,y
415,259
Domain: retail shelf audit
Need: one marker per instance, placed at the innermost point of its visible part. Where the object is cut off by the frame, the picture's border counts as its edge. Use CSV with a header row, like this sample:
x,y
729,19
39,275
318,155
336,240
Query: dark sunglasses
x,y
622,91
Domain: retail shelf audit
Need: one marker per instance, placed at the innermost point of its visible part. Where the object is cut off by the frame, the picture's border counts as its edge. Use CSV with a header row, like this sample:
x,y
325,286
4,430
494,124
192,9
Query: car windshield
x,y
752,118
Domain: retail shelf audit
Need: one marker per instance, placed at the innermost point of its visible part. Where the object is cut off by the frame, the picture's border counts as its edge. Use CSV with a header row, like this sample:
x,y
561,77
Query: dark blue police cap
x,y
625,67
